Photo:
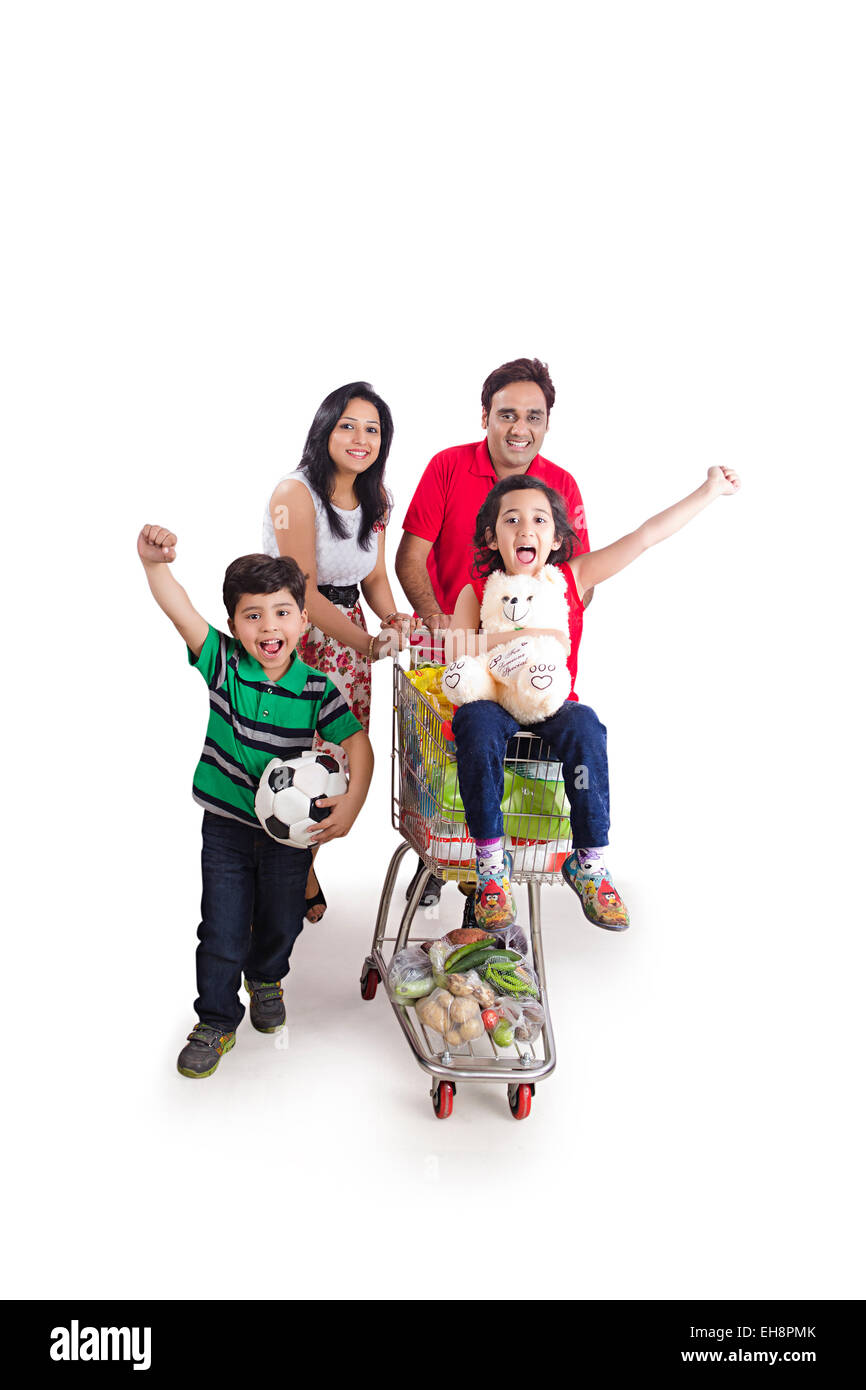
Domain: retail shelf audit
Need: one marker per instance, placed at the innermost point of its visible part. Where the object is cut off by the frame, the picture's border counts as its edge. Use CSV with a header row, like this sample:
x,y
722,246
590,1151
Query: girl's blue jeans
x,y
252,912
483,731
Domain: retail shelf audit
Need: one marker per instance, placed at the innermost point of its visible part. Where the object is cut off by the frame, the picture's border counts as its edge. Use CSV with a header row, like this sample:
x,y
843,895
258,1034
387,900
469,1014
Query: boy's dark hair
x,y
487,561
370,490
521,369
263,574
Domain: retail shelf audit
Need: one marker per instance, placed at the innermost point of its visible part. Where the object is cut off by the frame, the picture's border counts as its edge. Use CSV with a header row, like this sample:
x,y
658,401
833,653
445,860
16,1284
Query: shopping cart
x,y
427,813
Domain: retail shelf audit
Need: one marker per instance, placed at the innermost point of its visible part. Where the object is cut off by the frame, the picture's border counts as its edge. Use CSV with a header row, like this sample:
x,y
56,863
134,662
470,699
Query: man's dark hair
x,y
263,574
319,467
487,561
521,369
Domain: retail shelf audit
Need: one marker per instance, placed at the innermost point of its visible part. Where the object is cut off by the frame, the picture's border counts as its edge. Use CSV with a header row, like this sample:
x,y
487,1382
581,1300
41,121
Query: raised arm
x,y
156,549
598,565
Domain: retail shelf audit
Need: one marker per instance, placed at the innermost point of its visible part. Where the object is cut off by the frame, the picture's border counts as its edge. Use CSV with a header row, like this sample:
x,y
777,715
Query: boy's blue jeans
x,y
246,878
576,736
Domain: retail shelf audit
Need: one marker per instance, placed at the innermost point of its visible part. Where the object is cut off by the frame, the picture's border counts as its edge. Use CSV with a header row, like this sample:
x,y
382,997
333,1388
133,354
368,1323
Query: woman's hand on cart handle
x,y
404,623
388,642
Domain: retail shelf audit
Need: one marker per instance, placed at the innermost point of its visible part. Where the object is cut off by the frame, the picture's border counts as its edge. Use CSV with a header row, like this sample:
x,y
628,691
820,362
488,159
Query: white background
x,y
216,213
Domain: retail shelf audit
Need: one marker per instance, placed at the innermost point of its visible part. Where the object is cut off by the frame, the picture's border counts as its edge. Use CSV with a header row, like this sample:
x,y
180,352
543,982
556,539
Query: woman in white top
x,y
330,516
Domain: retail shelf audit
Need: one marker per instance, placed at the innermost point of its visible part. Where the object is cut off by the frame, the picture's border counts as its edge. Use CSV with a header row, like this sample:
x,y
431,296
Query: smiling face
x,y
355,440
268,627
516,425
525,533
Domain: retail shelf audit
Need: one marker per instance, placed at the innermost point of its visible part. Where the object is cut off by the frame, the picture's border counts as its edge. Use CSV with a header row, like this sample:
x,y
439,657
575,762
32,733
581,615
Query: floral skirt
x,y
347,669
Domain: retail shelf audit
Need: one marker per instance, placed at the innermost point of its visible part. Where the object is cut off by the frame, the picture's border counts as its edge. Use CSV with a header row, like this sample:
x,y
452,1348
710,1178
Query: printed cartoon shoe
x,y
494,900
203,1051
600,901
267,1010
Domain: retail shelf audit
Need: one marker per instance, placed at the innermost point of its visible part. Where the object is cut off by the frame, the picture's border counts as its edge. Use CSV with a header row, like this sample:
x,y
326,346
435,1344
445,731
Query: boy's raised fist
x,y
156,545
725,480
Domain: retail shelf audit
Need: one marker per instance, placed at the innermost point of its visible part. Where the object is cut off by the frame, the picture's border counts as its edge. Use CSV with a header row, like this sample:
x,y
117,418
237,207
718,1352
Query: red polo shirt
x,y
447,501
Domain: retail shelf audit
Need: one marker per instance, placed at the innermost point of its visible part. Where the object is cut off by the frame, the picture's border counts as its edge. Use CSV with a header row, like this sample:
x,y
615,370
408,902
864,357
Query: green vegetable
x,y
437,964
469,949
507,980
414,988
488,953
503,1033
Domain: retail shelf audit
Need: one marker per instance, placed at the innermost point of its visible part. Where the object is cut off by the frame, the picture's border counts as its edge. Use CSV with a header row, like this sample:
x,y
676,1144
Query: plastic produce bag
x,y
471,986
428,680
521,1020
410,975
513,938
456,1017
531,810
513,979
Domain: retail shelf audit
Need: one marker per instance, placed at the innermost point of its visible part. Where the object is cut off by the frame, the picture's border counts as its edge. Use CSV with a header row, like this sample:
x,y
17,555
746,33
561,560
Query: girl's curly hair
x,y
487,561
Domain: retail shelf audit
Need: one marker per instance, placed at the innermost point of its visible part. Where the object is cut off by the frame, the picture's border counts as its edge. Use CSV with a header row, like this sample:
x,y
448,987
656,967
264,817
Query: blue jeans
x,y
576,736
246,878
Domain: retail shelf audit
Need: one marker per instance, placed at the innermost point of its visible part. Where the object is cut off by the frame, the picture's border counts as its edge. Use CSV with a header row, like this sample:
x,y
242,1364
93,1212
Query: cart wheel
x,y
443,1099
520,1100
369,980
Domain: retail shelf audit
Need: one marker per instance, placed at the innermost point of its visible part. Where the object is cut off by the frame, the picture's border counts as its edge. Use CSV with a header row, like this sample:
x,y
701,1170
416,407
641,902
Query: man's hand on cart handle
x,y
436,622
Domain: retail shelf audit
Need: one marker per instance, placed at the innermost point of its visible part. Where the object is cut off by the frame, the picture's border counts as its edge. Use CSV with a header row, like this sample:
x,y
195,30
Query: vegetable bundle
x,y
468,981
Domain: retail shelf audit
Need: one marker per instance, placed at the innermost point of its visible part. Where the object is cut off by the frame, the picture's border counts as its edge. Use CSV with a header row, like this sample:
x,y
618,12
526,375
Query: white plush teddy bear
x,y
529,676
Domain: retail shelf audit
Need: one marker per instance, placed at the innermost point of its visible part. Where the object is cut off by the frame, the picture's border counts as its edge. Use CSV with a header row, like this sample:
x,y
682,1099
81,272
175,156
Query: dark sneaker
x,y
203,1051
267,1010
432,888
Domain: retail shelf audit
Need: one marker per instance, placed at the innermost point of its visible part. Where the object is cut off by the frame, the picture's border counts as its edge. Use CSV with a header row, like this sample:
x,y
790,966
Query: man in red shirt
x,y
435,553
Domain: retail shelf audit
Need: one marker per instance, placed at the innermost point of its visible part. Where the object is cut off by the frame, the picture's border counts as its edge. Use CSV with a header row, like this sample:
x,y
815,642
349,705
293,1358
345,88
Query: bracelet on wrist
x,y
370,656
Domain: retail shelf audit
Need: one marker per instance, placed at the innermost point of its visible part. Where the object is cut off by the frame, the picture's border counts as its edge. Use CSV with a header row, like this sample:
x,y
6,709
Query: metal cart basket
x,y
427,812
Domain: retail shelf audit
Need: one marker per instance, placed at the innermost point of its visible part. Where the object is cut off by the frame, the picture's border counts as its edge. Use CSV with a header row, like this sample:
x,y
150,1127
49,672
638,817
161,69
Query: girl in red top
x,y
522,526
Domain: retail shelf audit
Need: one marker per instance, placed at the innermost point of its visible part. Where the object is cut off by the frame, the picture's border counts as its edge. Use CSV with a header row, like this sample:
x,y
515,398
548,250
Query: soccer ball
x,y
288,790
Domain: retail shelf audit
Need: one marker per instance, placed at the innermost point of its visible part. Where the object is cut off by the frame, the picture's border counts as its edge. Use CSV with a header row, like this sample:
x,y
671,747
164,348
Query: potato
x,y
431,1012
459,985
464,1009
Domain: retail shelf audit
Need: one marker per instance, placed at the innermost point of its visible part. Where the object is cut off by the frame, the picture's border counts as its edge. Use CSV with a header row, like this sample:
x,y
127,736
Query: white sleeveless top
x,y
337,562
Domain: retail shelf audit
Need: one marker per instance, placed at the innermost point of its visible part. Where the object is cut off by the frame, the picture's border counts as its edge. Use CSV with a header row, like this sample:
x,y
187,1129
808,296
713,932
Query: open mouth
x,y
272,647
517,443
357,453
525,554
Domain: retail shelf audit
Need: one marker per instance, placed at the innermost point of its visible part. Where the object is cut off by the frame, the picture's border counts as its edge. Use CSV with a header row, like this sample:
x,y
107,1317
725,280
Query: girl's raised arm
x,y
597,565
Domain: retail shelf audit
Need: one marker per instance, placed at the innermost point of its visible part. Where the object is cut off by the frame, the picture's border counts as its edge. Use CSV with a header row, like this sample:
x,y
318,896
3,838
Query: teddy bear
x,y
529,676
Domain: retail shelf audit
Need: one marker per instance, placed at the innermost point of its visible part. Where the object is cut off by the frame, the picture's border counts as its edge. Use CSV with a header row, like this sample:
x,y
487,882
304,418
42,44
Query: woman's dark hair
x,y
370,490
521,369
487,561
263,574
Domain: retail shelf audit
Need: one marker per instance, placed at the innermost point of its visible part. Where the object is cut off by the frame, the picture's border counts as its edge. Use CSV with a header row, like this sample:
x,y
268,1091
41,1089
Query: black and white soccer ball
x,y
287,793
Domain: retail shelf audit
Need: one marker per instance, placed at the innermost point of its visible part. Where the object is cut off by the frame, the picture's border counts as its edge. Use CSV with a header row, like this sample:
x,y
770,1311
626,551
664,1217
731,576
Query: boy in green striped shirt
x,y
264,703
